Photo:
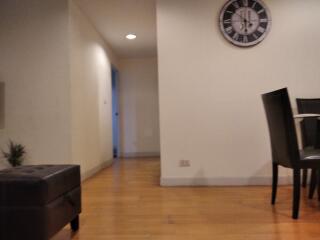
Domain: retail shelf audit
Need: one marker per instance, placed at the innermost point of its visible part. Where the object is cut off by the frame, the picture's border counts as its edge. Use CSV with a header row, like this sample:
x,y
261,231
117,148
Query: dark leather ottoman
x,y
38,201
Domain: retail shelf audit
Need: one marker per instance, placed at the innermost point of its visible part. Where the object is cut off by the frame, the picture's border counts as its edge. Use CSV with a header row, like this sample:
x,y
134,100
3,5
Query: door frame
x,y
115,111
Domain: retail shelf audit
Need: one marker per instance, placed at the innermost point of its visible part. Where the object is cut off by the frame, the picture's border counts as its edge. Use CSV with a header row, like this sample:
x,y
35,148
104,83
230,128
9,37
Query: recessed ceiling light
x,y
131,36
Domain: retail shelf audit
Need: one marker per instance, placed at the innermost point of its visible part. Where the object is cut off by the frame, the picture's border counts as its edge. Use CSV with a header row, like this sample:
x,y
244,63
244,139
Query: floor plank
x,y
125,202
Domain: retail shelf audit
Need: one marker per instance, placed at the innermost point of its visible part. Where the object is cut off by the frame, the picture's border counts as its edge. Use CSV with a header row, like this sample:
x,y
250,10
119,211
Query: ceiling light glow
x,y
131,36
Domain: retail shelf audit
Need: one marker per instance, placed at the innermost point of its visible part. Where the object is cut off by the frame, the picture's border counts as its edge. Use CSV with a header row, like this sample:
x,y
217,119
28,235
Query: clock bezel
x,y
242,44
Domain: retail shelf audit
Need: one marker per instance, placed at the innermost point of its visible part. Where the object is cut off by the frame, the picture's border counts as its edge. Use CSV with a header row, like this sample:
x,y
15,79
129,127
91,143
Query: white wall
x,y
34,65
139,107
56,70
90,94
210,105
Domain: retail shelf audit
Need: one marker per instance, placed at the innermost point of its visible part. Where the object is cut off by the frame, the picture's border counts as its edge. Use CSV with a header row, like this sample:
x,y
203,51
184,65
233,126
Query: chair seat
x,y
310,158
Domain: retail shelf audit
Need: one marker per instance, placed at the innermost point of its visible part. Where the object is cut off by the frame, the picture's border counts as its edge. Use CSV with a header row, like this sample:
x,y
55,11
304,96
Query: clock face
x,y
245,22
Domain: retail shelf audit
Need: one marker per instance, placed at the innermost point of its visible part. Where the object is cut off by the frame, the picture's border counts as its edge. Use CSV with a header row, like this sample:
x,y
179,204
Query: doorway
x,y
115,112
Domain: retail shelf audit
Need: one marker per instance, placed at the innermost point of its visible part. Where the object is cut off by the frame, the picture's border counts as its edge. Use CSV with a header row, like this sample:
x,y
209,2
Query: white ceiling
x,y
114,19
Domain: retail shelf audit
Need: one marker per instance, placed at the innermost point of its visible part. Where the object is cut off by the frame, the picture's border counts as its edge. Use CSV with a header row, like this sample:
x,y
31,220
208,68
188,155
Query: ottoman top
x,y
36,185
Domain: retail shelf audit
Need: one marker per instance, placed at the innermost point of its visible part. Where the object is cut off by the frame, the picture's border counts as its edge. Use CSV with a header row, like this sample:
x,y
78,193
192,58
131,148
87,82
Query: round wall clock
x,y
245,22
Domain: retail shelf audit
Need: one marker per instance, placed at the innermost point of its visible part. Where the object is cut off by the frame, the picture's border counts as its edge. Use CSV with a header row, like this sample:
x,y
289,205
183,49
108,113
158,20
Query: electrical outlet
x,y
184,163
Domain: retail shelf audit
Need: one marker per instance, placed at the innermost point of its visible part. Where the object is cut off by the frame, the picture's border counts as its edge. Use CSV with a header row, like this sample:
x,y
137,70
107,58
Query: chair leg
x,y
296,193
274,182
318,183
313,183
304,177
75,224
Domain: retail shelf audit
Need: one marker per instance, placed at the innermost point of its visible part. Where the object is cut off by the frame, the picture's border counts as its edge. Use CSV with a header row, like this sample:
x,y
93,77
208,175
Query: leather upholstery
x,y
310,153
309,127
36,185
283,135
282,130
37,201
310,158
284,145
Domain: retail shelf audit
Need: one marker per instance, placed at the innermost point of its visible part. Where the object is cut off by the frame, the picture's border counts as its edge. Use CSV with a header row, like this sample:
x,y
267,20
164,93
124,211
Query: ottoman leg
x,y
75,224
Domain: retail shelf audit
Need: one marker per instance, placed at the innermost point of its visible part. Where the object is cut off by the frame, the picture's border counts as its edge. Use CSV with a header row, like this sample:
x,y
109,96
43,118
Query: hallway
x,y
125,202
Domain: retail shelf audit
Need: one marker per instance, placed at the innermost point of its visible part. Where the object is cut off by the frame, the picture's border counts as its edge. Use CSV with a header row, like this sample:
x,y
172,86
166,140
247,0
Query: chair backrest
x,y
309,126
283,136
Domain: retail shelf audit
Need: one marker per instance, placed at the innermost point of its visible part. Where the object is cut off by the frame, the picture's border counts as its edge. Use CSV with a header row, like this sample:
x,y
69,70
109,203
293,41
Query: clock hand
x,y
239,16
249,17
245,21
245,25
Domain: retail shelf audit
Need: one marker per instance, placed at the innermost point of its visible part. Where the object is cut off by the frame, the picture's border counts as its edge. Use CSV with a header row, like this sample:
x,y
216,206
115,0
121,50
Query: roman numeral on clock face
x,y
245,3
229,29
235,36
245,39
254,4
236,5
261,29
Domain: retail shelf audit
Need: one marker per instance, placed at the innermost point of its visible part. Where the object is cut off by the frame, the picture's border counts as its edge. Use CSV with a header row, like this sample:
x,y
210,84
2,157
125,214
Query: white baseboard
x,y
140,154
254,181
89,173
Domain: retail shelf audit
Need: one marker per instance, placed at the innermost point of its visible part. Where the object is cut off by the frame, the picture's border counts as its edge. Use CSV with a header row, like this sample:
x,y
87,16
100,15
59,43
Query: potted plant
x,y
15,154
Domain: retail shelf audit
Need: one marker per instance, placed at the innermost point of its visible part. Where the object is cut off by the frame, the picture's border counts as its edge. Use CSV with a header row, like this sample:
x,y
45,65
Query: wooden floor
x,y
125,202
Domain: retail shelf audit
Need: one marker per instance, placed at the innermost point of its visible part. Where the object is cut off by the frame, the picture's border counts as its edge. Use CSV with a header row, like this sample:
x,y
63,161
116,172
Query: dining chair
x,y
309,134
284,144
